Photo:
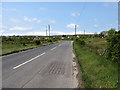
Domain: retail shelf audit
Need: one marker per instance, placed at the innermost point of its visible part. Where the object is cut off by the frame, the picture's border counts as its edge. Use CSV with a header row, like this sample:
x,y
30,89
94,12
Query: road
x,y
44,67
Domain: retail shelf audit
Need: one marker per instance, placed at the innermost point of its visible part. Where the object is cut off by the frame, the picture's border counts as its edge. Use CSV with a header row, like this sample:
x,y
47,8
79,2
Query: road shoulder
x,y
77,71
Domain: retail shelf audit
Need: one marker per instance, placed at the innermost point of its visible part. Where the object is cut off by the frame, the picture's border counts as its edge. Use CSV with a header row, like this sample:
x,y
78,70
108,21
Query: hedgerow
x,y
113,49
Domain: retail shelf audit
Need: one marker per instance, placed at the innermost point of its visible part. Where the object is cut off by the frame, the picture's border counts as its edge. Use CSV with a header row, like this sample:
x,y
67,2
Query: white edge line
x,y
28,61
53,48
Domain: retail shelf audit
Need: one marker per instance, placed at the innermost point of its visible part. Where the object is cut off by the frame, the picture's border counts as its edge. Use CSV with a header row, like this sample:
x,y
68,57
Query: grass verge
x,y
97,72
13,48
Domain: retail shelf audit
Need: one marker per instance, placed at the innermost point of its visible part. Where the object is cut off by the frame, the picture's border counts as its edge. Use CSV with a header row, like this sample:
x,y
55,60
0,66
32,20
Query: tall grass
x,y
99,45
97,71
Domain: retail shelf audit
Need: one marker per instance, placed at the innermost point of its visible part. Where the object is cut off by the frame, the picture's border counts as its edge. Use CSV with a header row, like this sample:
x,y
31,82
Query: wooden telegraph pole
x,y
49,30
46,30
75,28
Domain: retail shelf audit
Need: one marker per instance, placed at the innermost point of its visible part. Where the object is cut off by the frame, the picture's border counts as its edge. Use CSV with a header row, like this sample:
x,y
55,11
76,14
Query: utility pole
x,y
46,30
84,32
49,30
75,28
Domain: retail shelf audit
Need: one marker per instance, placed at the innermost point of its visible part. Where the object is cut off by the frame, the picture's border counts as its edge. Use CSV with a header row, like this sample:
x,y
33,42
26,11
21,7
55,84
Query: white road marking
x,y
53,48
28,61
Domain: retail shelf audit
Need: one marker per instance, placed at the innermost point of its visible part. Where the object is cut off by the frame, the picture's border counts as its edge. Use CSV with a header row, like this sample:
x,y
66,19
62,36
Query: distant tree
x,y
63,35
95,34
118,32
111,31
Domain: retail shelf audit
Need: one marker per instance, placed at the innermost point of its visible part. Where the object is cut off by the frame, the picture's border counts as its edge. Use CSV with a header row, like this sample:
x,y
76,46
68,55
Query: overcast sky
x,y
31,18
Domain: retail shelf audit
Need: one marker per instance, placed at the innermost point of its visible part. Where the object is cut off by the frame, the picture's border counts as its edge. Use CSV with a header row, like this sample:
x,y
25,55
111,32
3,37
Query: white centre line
x,y
53,48
28,61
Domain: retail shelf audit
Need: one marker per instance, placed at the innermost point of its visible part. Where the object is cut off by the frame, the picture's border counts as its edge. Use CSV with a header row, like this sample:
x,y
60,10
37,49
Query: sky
x,y
32,18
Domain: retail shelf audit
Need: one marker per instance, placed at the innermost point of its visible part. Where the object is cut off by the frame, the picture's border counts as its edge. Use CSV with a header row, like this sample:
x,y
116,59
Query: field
x,y
10,48
16,45
97,71
97,45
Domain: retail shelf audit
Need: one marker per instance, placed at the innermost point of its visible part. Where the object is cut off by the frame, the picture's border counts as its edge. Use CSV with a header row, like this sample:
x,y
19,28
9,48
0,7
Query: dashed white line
x,y
53,48
28,61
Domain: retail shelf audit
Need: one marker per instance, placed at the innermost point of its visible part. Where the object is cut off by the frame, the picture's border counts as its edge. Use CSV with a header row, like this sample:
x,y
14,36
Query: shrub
x,y
111,31
80,41
113,49
24,44
49,40
37,42
55,39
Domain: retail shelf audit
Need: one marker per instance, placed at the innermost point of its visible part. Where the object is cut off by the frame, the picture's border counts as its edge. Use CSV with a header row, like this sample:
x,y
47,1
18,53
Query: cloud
x,y
27,19
10,34
72,26
58,33
36,33
14,20
96,26
75,14
27,33
31,19
1,32
2,26
2,29
20,29
70,33
43,33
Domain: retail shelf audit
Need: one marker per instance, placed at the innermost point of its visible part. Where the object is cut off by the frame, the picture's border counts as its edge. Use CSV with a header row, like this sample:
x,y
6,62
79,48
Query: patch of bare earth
x,y
78,83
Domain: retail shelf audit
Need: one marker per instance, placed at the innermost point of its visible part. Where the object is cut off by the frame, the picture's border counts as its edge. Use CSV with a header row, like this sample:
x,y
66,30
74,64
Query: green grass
x,y
97,72
9,48
97,45
100,43
12,48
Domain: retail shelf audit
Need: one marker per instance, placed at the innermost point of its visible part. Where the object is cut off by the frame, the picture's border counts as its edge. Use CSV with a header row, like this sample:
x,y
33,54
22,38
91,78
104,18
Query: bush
x,y
113,49
24,44
80,41
49,40
37,42
55,39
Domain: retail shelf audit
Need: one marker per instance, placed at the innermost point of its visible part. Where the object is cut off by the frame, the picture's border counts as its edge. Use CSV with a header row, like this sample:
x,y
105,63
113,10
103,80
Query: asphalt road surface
x,y
44,67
